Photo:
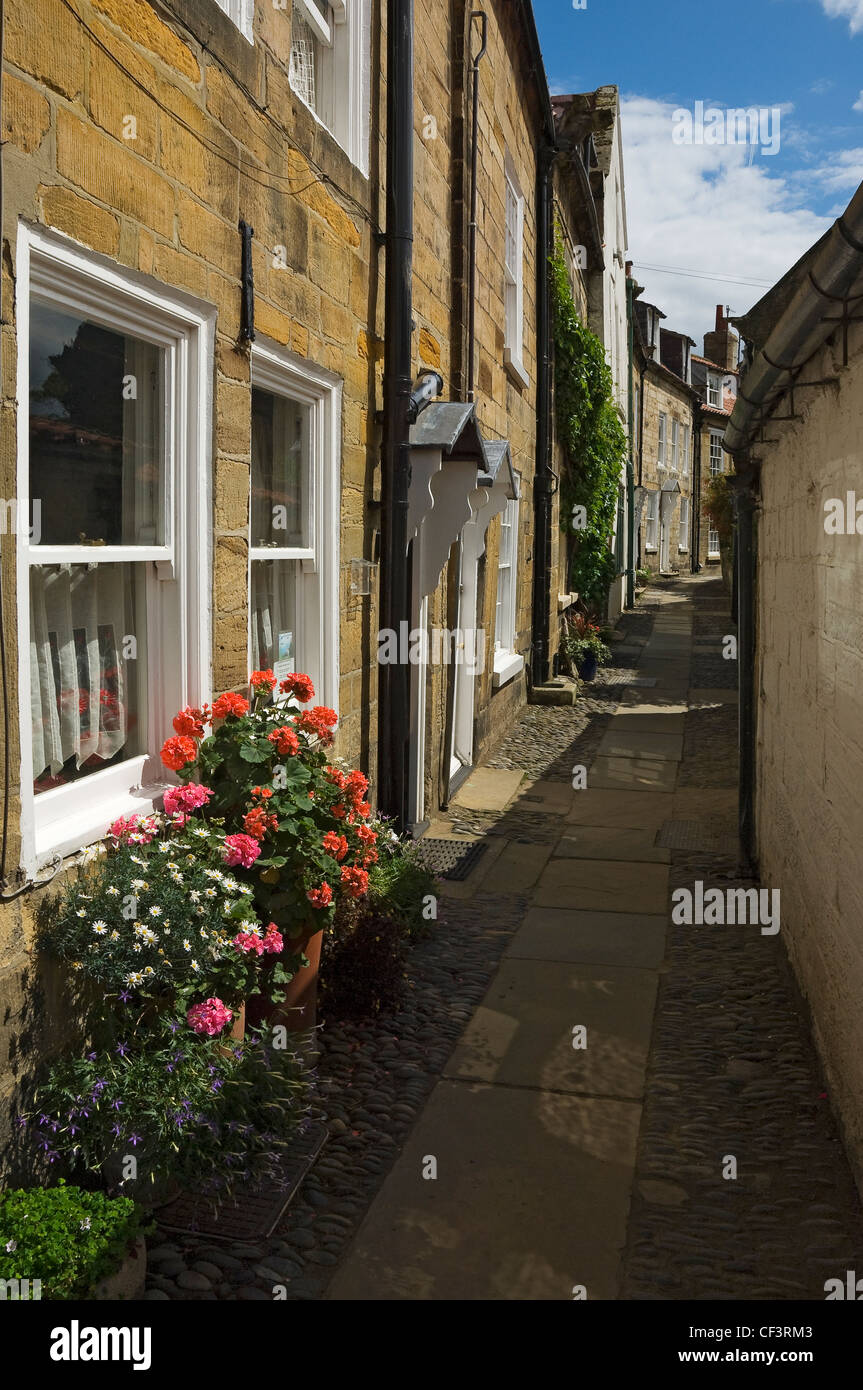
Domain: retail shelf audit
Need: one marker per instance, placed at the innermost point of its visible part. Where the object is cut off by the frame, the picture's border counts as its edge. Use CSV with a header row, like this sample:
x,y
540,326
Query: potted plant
x,y
299,831
76,1244
584,646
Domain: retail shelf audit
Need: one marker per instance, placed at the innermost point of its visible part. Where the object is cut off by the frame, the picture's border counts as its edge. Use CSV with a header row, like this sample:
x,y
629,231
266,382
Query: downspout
x,y
745,486
695,489
543,483
630,469
474,142
394,679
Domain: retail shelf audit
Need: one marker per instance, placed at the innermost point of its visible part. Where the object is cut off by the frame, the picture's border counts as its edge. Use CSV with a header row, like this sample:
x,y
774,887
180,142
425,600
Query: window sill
x,y
515,369
713,555
683,550
67,834
651,549
506,666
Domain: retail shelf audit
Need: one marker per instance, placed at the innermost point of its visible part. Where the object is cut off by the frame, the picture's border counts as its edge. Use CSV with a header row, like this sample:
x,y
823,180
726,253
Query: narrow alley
x,y
608,1159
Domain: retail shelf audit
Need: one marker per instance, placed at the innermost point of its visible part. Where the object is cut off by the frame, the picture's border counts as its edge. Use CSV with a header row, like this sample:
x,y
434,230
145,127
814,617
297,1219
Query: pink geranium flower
x,y
240,849
247,941
273,940
209,1017
184,800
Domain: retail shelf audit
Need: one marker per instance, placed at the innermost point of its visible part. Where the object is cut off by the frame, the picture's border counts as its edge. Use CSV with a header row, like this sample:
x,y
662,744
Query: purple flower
x,y
22,1121
122,1048
115,1104
134,1139
115,1129
174,1027
124,995
73,1129
168,1066
217,1085
91,1056
52,1155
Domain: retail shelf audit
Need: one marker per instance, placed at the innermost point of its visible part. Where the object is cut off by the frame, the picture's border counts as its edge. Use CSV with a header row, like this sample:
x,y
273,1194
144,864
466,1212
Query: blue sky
x,y
727,212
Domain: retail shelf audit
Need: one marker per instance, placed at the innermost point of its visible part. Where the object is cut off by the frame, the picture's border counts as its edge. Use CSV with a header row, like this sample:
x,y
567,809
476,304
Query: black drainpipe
x,y
471,273
394,607
745,485
543,483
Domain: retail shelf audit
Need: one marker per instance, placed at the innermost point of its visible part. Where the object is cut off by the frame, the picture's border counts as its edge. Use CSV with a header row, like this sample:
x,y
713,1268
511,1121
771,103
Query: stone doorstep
x,y
488,789
634,810
661,701
627,939
636,846
603,885
632,774
643,744
522,1032
560,1167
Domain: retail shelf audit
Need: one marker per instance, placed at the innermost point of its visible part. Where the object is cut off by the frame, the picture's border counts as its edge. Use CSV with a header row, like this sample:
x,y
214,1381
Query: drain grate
x,y
451,859
255,1213
695,835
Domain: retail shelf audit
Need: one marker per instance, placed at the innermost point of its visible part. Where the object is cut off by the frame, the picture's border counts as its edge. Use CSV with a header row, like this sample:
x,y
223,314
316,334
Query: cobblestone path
x,y
558,1167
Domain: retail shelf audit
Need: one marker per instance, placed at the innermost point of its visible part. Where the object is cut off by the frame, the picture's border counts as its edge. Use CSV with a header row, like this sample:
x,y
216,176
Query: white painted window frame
x,y
60,821
242,12
683,532
713,552
717,466
345,72
651,529
283,373
662,444
513,348
675,446
507,661
714,389
687,447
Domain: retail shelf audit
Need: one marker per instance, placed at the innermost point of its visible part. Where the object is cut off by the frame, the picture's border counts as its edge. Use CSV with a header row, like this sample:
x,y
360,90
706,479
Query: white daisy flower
x,y
204,933
195,895
148,970
136,946
134,977
138,883
195,965
115,936
187,945
80,912
164,848
114,891
155,912
100,929
210,893
137,860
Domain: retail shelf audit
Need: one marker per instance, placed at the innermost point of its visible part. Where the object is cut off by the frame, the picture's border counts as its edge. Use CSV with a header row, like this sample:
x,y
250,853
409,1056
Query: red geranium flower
x,y
321,897
285,740
262,680
355,882
299,686
190,722
231,703
177,752
336,845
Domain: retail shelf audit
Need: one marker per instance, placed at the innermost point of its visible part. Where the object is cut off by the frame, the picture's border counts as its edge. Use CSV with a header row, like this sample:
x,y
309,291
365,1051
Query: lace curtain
x,y
79,690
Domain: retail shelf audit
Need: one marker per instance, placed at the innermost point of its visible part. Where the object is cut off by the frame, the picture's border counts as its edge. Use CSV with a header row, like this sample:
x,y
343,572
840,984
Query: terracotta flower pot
x,y
298,1012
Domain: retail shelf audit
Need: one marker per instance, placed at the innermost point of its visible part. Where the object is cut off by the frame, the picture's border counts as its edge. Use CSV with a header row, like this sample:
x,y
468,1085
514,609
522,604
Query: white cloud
x,y
844,172
823,85
858,105
709,209
852,10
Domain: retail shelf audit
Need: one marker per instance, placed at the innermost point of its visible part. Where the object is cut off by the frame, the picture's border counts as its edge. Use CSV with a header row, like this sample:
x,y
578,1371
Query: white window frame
x,y
687,447
64,819
717,465
675,446
513,348
507,661
713,552
662,444
282,373
345,59
242,12
651,529
683,530
714,389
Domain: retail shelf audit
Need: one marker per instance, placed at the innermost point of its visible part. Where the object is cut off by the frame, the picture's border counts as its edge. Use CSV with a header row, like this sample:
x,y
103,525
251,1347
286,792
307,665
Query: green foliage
x,y
202,1111
718,507
400,883
67,1238
593,437
581,638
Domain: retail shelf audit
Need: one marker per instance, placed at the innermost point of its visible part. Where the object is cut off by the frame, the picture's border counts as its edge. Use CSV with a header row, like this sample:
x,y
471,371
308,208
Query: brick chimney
x,y
722,345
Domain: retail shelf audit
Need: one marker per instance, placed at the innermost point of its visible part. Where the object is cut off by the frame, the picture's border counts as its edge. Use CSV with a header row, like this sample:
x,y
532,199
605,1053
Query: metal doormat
x,y
255,1214
695,835
451,859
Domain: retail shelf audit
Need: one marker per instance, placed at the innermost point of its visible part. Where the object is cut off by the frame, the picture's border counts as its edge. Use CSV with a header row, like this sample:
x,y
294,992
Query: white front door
x,y
664,562
464,670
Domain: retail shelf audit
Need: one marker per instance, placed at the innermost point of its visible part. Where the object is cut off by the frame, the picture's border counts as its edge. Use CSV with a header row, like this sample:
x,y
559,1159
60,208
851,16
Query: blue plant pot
x,y
587,667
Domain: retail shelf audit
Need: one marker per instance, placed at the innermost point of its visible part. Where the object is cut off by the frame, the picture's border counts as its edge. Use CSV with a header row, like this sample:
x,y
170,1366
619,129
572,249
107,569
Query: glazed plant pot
x,y
587,666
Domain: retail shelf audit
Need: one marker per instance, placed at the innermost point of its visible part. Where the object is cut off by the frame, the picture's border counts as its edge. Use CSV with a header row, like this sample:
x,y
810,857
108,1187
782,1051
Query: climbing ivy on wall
x,y
593,437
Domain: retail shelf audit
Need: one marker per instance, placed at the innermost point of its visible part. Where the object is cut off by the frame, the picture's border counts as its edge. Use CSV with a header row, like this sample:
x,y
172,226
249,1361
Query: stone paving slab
x,y
593,938
641,744
488,789
633,721
522,1033
661,701
544,795
603,885
611,842
634,809
699,698
621,774
493,1225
